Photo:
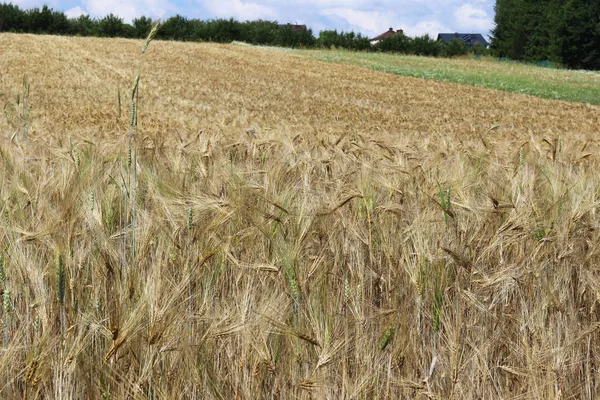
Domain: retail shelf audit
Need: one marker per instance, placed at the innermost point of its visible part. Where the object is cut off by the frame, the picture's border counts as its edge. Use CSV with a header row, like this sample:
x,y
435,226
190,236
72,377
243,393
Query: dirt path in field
x,y
191,88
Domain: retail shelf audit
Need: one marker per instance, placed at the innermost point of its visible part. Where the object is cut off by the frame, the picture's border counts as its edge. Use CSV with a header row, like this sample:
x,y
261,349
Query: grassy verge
x,y
556,84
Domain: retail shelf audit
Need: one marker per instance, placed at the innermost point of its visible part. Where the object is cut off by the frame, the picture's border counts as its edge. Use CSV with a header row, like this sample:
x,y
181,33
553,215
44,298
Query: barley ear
x,y
190,219
119,102
92,201
60,279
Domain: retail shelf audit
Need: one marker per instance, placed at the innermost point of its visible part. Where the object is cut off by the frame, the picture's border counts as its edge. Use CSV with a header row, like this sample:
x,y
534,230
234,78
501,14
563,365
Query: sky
x,y
369,17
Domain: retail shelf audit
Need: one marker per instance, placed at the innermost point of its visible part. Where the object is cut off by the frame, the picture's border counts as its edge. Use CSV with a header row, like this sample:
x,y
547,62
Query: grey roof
x,y
469,38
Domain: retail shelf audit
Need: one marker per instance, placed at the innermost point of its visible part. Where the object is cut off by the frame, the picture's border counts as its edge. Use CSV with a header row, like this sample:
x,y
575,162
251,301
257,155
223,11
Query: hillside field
x,y
549,83
280,227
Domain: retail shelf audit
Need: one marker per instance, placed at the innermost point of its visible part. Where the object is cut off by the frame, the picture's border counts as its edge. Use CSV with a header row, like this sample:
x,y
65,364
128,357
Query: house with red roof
x,y
387,34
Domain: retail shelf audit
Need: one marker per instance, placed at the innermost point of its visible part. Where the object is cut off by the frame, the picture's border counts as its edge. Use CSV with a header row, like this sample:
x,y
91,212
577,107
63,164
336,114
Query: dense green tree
x,y
563,31
60,24
286,37
346,40
12,18
479,50
306,38
508,35
397,44
84,25
176,28
39,21
142,26
111,26
329,39
580,33
260,32
455,48
426,46
224,30
538,22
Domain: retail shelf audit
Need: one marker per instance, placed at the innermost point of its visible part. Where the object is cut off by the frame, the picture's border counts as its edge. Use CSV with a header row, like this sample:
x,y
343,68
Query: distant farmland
x,y
281,227
487,72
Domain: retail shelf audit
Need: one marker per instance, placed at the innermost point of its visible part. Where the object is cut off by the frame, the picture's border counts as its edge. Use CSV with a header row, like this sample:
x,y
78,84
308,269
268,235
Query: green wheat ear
x,y
291,278
521,156
386,337
445,201
347,292
151,36
2,272
6,302
560,144
136,83
134,89
190,219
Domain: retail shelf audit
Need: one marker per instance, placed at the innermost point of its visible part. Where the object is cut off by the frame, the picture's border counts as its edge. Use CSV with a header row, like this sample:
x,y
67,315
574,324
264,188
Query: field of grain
x,y
286,228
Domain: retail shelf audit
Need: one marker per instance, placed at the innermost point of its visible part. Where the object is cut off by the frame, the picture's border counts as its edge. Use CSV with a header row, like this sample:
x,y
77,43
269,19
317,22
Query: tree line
x,y
48,21
563,31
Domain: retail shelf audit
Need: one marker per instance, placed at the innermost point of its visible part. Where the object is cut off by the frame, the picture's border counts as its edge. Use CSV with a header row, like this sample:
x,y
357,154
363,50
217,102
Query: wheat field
x,y
283,228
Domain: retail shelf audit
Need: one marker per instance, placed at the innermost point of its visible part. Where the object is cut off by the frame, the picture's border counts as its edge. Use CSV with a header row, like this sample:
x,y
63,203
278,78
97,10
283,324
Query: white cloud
x,y
372,22
75,12
128,9
26,4
241,10
415,17
470,18
432,28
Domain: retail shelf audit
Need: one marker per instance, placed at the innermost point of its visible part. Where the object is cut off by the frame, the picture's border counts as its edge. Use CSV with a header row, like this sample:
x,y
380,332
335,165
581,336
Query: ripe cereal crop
x,y
268,225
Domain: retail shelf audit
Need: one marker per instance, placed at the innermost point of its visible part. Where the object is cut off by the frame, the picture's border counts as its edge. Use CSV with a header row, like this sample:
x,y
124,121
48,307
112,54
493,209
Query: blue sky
x,y
370,17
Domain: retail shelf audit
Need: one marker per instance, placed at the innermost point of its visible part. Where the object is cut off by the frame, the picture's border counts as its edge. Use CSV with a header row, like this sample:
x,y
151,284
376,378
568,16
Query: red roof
x,y
387,34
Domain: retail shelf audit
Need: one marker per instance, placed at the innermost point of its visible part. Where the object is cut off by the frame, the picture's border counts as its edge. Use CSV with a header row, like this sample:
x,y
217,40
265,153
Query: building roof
x,y
469,38
387,34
